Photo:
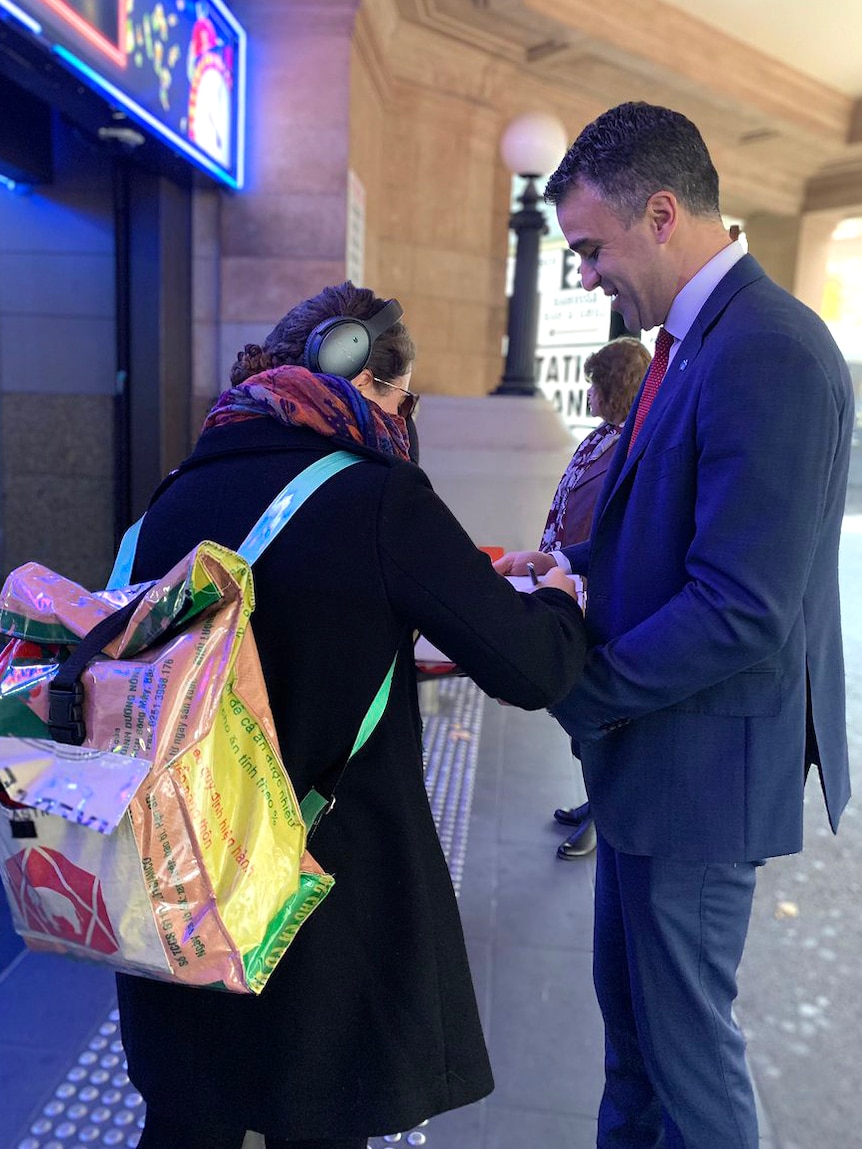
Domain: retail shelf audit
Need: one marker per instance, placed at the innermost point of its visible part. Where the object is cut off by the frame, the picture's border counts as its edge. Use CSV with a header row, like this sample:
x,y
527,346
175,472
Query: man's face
x,y
629,264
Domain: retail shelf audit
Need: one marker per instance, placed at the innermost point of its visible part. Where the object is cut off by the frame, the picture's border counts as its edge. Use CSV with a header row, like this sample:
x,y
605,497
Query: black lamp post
x,y
528,224
531,144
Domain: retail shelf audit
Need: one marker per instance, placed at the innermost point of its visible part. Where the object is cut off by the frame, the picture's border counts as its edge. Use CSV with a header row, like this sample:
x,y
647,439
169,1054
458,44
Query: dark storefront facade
x,y
97,192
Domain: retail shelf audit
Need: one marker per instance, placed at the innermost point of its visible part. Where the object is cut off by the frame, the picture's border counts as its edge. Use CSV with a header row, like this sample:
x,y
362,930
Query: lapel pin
x,y
683,365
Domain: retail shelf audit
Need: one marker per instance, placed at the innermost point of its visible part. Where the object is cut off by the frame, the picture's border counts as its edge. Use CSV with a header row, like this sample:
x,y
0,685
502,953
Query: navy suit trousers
x,y
669,938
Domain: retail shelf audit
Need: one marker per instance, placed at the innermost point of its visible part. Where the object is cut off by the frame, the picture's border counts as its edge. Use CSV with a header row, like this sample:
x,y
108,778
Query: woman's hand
x,y
515,563
559,580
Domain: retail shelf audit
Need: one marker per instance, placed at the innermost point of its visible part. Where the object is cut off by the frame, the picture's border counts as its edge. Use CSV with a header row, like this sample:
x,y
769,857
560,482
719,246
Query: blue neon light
x,y
240,87
14,185
32,25
175,67
241,43
142,114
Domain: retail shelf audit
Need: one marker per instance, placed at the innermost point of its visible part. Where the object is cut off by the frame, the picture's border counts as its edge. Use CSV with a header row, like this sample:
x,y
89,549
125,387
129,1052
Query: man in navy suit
x,y
715,677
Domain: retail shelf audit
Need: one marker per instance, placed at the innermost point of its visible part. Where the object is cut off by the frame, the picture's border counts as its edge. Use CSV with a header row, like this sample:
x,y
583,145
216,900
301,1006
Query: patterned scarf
x,y
596,443
327,404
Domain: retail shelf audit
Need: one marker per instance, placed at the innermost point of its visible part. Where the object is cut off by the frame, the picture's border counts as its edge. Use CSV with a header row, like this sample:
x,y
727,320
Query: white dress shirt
x,y
683,311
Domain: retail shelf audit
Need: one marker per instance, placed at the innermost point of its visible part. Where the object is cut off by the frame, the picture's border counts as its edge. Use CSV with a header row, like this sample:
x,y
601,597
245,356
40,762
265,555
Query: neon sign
x,y
175,66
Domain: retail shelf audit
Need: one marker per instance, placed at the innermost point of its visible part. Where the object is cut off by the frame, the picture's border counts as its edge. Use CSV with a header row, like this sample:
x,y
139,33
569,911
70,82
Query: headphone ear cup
x,y
339,346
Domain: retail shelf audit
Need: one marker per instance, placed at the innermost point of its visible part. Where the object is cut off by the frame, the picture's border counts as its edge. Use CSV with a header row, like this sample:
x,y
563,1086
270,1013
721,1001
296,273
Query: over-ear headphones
x,y
342,345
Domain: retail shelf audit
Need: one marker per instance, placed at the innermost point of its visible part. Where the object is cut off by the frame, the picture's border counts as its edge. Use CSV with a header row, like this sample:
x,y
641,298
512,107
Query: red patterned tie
x,y
663,344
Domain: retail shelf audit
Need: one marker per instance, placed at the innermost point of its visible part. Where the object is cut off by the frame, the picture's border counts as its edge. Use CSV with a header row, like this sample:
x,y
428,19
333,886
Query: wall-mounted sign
x,y
175,66
573,323
354,258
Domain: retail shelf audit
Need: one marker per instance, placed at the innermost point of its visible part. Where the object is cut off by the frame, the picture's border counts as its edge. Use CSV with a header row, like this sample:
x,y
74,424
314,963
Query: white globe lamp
x,y
532,145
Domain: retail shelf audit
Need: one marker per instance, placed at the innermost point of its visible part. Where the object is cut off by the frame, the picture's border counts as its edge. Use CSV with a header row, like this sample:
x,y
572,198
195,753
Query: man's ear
x,y
363,379
662,211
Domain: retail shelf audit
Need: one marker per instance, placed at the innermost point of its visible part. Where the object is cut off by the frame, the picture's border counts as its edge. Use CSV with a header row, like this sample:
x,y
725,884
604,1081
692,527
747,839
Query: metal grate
x,y
96,1104
451,740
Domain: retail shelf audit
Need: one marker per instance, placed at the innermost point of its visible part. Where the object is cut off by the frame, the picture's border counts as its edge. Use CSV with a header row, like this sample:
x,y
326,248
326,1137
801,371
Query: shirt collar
x,y
691,298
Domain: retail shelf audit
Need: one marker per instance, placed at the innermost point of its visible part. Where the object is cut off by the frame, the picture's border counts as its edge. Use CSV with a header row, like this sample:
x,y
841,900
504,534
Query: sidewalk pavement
x,y
528,922
494,776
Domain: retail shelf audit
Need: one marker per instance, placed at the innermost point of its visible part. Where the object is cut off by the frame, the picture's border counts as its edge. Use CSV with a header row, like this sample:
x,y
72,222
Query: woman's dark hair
x,y
634,150
616,371
392,354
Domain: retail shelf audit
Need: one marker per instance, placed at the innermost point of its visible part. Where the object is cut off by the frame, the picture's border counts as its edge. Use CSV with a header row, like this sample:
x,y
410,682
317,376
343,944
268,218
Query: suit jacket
x,y
715,675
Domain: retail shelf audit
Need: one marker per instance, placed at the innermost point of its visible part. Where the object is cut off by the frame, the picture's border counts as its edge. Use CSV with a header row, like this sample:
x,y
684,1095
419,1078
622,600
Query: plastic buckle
x,y
66,713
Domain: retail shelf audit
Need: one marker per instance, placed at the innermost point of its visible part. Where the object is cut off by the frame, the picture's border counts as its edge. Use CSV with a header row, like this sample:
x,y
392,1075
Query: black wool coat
x,y
369,1023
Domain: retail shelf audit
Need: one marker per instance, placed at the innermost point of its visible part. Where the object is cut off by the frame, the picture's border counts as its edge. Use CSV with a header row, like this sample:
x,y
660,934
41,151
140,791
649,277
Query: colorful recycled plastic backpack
x,y
149,821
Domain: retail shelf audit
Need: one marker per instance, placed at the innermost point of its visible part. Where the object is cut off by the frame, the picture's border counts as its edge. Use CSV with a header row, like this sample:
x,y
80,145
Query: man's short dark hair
x,y
633,151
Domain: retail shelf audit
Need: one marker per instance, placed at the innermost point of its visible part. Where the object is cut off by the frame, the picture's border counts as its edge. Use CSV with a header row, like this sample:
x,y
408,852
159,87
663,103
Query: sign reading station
x,y
573,323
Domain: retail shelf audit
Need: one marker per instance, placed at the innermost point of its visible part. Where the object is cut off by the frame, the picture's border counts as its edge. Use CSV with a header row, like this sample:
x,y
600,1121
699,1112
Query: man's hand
x,y
515,563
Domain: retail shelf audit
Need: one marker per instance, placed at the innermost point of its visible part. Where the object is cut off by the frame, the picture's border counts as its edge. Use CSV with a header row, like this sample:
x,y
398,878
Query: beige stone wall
x,y
442,243
795,250
815,235
283,237
412,97
425,145
427,112
773,240
369,154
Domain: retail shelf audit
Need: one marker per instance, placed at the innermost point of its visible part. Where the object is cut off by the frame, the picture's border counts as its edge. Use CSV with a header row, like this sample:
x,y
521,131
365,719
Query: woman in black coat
x,y
369,1022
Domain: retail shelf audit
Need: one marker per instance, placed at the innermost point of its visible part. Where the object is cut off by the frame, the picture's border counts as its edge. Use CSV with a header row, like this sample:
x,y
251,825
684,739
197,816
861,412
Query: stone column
x,y
815,235
794,250
283,237
773,240
495,461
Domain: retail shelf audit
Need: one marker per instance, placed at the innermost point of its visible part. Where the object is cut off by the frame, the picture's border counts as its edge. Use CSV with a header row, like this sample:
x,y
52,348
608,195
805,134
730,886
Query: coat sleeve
x,y
578,556
526,649
770,424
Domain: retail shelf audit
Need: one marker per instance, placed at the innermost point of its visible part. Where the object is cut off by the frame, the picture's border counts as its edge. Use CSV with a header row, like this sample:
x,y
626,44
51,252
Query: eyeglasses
x,y
408,404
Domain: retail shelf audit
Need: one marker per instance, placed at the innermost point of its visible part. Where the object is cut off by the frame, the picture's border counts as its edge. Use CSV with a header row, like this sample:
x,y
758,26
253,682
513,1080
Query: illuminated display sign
x,y
175,66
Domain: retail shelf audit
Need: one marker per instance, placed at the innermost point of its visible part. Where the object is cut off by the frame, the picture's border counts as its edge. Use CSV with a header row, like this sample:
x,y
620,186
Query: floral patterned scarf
x,y
596,443
327,404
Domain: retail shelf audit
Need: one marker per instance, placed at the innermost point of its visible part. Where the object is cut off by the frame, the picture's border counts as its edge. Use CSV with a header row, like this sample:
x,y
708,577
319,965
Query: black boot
x,y
581,843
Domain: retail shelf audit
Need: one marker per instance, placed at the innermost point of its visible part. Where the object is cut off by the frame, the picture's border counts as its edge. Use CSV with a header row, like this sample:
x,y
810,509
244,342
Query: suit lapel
x,y
743,273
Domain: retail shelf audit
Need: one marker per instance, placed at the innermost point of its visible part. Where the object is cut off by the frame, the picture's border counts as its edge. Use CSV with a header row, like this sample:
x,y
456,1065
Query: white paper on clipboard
x,y
431,658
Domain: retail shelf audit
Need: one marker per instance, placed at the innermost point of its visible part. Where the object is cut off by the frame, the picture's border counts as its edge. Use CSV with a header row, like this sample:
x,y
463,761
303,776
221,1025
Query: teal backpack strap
x,y
375,710
285,504
288,501
121,575
314,803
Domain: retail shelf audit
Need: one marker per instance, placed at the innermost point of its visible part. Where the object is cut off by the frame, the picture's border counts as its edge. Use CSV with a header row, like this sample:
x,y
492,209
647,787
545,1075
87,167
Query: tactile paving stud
x,y
96,1104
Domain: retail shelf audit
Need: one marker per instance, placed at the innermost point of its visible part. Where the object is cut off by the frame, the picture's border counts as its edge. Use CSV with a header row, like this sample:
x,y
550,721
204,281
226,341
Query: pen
x,y
534,578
